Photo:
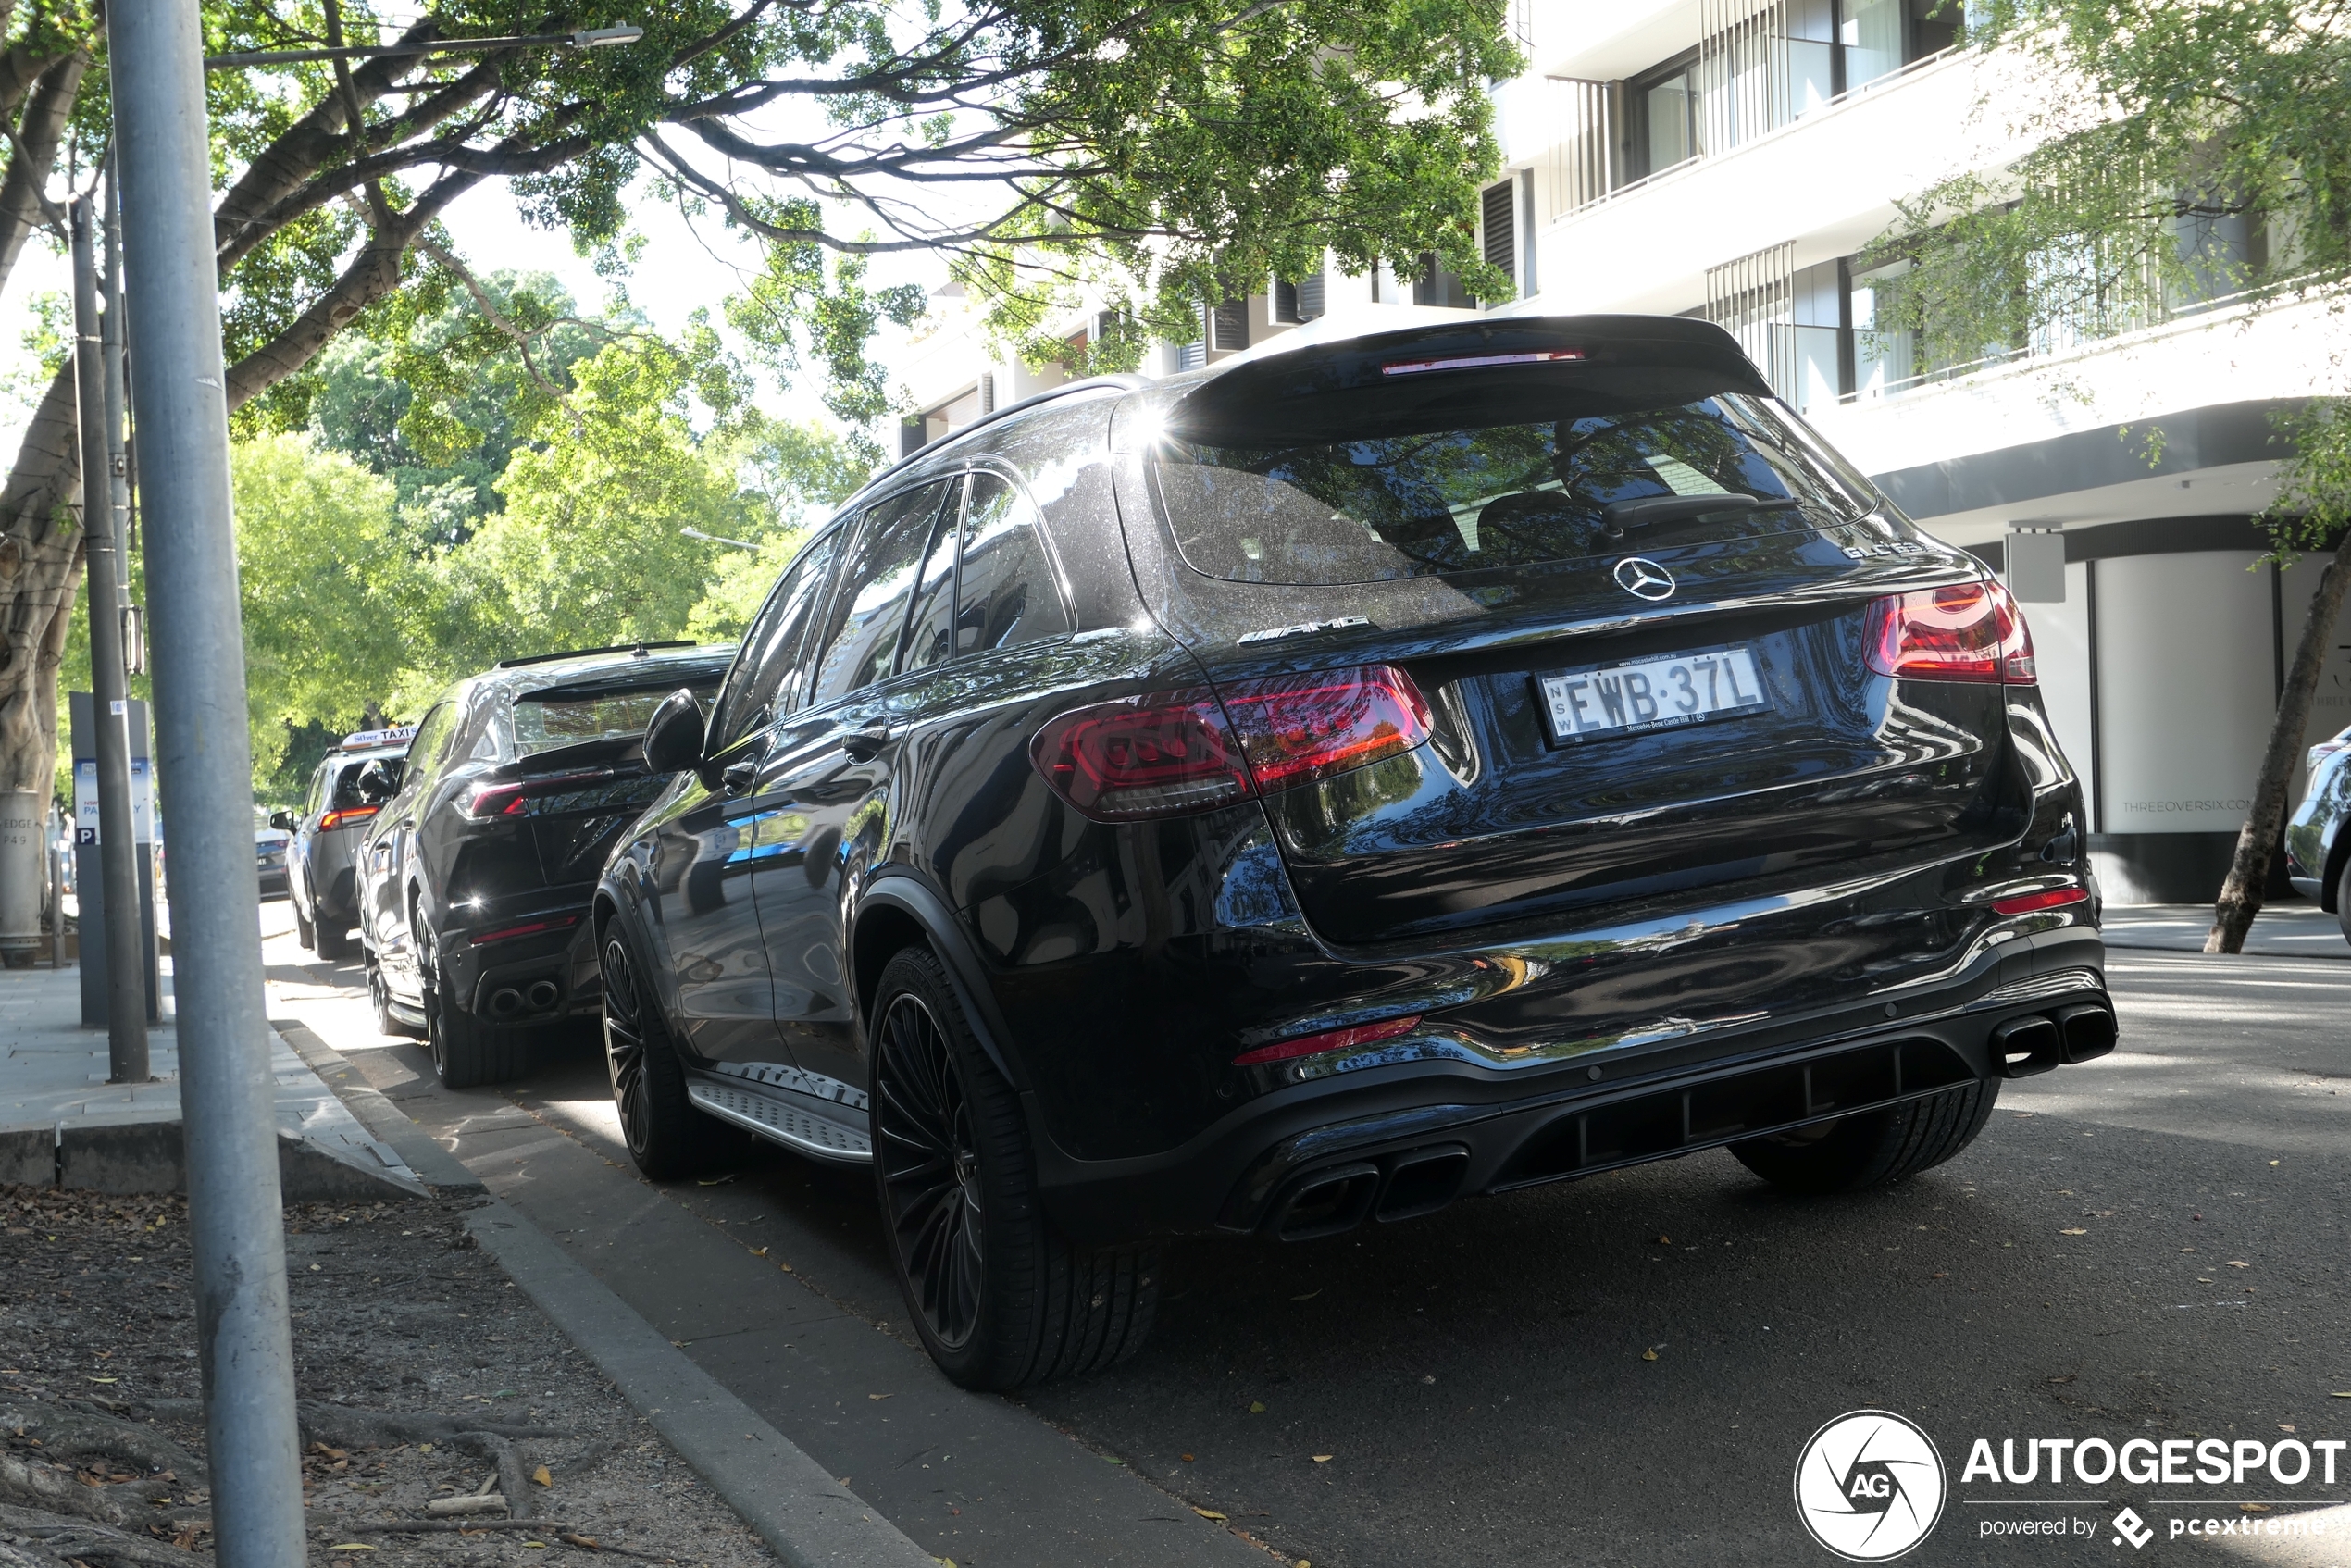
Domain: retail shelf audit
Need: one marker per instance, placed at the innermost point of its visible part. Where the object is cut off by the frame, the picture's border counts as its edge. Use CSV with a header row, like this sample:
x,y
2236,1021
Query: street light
x,y
204,750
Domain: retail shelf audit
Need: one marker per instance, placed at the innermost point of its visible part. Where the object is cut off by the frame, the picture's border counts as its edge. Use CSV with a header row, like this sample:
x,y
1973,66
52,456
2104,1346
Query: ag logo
x,y
1644,579
1870,1486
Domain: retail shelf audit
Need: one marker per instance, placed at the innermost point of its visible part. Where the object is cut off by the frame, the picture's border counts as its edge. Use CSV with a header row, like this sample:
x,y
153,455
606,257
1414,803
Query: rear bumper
x,y
1392,1143
528,980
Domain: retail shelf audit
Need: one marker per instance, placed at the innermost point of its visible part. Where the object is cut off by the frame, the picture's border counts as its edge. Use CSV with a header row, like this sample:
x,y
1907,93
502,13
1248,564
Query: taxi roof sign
x,y
367,740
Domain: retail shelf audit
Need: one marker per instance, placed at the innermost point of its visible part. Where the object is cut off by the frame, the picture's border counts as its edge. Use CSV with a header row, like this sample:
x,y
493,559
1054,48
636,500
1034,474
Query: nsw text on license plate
x,y
1660,693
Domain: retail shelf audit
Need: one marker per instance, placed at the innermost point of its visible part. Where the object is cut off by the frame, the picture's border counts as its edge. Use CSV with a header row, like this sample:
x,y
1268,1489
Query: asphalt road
x,y
1622,1370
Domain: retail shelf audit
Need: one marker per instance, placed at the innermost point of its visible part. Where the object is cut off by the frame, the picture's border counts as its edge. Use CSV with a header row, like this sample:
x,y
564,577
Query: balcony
x,y
1826,182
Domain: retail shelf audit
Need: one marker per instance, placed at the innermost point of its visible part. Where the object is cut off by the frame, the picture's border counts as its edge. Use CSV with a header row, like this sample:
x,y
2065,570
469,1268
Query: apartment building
x,y
1733,159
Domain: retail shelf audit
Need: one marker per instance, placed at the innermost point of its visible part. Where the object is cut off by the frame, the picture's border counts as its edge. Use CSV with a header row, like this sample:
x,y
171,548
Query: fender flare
x,y
966,973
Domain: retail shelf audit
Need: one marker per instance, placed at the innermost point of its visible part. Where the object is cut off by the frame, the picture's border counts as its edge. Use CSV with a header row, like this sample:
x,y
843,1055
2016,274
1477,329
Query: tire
x,y
667,1138
999,1298
330,941
1874,1148
2342,899
304,932
466,1053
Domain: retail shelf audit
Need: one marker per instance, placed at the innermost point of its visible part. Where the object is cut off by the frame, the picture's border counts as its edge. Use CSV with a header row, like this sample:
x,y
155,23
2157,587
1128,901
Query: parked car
x,y
1310,791
270,843
322,866
476,874
2318,853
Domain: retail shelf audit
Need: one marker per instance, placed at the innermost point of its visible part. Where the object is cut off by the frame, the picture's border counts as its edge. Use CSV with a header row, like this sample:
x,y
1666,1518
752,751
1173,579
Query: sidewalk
x,y
61,1123
2281,930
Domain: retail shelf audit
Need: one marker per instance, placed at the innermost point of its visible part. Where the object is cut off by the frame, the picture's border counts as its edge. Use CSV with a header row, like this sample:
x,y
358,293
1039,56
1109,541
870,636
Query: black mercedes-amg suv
x,y
1309,791
476,871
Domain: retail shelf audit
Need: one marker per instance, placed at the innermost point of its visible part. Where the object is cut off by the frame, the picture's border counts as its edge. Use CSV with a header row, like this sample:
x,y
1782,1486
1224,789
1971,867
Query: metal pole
x,y
117,852
204,753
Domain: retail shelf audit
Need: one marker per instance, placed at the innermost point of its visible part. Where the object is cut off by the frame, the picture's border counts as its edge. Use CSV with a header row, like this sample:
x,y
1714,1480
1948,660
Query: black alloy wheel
x,y
999,1297
666,1135
930,1170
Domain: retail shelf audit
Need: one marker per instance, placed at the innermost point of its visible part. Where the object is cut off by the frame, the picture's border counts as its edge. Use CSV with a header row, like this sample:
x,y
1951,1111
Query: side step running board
x,y
822,1129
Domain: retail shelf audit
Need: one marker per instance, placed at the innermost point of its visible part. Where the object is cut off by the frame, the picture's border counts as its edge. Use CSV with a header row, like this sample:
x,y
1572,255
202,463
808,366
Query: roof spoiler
x,y
1421,362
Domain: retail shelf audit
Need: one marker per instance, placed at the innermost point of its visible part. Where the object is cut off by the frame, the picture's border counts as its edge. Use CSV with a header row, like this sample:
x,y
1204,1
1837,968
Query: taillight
x,y
1181,751
2047,898
1299,730
513,798
528,928
1968,632
1329,1040
346,816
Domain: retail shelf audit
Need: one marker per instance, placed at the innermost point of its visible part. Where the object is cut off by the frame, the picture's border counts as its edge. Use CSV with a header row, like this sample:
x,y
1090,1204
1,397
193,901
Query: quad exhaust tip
x,y
1340,1198
2038,1043
539,997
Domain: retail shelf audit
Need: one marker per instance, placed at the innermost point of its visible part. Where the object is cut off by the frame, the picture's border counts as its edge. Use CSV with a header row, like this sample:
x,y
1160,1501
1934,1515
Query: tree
x,y
1192,144
2203,125
330,592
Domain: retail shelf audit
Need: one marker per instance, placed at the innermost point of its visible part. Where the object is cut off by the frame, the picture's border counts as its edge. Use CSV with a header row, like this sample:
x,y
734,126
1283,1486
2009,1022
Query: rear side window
x,y
1007,595
432,739
759,690
928,628
570,715
1503,483
860,641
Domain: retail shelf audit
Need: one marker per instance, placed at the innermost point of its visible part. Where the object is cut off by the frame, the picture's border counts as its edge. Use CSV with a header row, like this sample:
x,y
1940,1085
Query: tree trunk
x,y
35,155
39,566
2258,840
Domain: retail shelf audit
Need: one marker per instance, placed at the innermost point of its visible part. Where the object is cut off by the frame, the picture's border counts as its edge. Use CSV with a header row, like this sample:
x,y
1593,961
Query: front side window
x,y
860,641
1470,495
432,739
761,686
1007,595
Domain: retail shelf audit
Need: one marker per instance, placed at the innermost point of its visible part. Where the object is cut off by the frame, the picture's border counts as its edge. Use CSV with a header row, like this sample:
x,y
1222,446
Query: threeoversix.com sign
x,y
1870,1486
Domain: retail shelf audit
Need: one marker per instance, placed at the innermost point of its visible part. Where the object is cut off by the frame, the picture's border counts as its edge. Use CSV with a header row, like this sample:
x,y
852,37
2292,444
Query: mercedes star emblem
x,y
1644,579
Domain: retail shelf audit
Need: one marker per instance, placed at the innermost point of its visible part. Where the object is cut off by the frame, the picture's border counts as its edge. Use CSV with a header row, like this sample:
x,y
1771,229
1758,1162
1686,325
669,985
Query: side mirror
x,y
673,735
282,820
378,783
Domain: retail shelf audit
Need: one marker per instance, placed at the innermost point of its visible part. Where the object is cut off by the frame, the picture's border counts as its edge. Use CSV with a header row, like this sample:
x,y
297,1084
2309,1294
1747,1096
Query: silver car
x,y
320,870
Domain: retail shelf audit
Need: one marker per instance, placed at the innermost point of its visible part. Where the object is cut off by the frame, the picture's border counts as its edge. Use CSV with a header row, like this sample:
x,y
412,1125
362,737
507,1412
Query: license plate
x,y
1643,695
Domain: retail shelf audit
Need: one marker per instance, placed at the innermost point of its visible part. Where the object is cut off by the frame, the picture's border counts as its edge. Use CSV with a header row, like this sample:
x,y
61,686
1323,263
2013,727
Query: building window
x,y
1229,326
1297,303
1498,208
1666,105
1440,286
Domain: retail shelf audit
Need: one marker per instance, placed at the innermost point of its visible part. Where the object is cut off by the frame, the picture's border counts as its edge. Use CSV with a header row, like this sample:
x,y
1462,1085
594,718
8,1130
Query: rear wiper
x,y
1648,509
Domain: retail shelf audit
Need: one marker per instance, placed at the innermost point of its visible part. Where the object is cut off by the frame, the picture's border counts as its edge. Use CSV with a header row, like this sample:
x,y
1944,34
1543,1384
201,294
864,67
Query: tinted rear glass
x,y
1490,488
545,720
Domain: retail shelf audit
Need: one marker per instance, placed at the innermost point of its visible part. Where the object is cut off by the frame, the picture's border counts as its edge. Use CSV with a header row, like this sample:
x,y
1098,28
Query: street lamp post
x,y
237,1233
109,709
178,399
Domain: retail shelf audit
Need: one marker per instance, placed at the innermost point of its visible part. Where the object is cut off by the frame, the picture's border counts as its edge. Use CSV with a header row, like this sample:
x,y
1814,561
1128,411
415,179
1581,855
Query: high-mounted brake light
x,y
345,817
1329,1040
1970,631
513,798
1481,361
1180,751
2047,898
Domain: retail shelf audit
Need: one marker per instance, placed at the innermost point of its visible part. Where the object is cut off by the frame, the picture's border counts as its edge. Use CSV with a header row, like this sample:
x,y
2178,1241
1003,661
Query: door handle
x,y
740,777
864,745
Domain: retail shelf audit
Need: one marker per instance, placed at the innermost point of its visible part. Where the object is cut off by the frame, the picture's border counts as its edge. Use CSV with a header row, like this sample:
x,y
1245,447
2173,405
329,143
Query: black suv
x,y
476,874
1312,791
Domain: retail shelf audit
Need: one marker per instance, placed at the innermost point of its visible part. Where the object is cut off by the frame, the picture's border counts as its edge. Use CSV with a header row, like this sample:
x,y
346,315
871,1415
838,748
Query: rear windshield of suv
x,y
1475,493
568,716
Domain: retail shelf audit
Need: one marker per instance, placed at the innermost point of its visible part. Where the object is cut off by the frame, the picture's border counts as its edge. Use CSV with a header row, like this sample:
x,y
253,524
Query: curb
x,y
434,1165
794,1504
799,1509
